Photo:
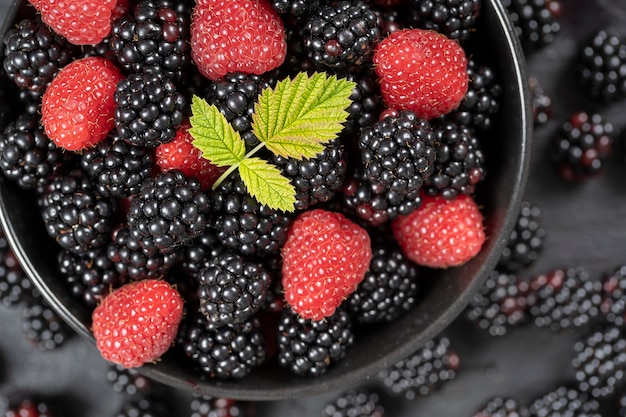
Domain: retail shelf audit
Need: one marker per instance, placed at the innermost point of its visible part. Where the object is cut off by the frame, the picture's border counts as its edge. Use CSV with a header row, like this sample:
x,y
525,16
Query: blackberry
x,y
564,401
297,8
599,361
117,168
398,153
75,215
482,100
42,326
34,54
15,286
30,101
454,18
565,298
135,263
145,406
536,22
149,109
365,103
542,106
200,252
170,210
582,146
30,406
128,381
388,289
27,155
601,66
422,372
230,351
502,407
156,35
308,347
231,288
243,224
235,96
460,162
525,242
318,179
205,406
90,276
501,303
341,37
359,402
613,305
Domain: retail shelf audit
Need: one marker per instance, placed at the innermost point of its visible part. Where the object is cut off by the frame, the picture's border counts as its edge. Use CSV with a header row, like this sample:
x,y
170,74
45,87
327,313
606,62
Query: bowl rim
x,y
319,386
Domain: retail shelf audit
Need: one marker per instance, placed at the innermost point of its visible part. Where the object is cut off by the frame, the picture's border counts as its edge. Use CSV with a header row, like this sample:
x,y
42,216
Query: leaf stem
x,y
233,167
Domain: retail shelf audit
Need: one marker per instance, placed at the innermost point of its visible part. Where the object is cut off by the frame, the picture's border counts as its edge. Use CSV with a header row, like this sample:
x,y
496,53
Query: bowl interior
x,y
443,296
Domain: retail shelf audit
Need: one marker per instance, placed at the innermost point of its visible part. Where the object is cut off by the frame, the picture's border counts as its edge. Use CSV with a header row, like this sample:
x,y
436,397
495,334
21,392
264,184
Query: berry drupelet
x,y
564,401
34,54
42,326
455,19
231,289
170,210
156,35
581,147
309,347
359,402
536,22
525,242
502,407
602,66
149,109
27,155
342,36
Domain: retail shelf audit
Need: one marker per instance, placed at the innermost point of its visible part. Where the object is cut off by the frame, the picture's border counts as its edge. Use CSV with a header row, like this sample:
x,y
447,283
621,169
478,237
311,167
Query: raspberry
x,y
82,22
325,258
78,107
441,233
437,66
138,322
236,36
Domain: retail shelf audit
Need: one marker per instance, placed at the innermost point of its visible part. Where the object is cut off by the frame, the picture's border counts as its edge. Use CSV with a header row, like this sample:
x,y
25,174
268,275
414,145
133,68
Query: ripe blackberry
x,y
156,35
422,372
398,153
34,54
582,146
235,96
564,401
535,21
341,37
308,347
388,289
501,303
28,406
298,8
525,242
502,407
565,298
42,326
482,100
365,103
229,351
205,406
128,381
200,252
144,406
454,18
170,210
599,361
613,307
91,276
359,402
135,263
116,167
15,286
318,179
602,66
76,216
541,102
460,162
30,101
243,224
149,109
27,156
231,288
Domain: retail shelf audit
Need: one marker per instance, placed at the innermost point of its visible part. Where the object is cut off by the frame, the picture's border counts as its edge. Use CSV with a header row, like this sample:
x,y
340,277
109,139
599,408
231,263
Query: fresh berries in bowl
x,y
256,205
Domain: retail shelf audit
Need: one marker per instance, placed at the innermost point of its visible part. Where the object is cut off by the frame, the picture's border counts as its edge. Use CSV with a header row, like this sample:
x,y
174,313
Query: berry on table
x,y
536,22
143,406
502,407
127,380
564,400
360,402
525,242
42,326
455,19
602,66
542,106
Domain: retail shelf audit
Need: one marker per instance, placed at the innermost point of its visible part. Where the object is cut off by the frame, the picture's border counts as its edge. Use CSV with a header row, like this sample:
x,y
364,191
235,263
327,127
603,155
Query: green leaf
x,y
218,141
297,114
265,182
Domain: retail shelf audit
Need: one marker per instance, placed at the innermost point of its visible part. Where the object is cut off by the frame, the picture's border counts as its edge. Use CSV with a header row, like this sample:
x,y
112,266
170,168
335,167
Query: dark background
x,y
585,226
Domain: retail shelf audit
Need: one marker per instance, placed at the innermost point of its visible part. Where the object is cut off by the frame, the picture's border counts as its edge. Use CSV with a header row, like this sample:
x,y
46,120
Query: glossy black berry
x,y
297,8
359,402
200,252
564,401
365,102
454,18
143,406
602,66
526,240
536,22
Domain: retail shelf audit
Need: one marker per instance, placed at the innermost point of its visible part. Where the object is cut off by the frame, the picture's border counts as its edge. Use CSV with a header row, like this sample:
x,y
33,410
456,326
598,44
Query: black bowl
x,y
444,294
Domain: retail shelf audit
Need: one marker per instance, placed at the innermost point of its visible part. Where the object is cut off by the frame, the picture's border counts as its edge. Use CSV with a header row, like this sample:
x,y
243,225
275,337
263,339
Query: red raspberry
x,y
441,233
180,154
325,257
137,322
421,70
82,22
236,36
78,107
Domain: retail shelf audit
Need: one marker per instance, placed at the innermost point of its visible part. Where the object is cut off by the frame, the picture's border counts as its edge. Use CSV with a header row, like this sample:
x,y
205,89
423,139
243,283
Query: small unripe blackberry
x,y
602,66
